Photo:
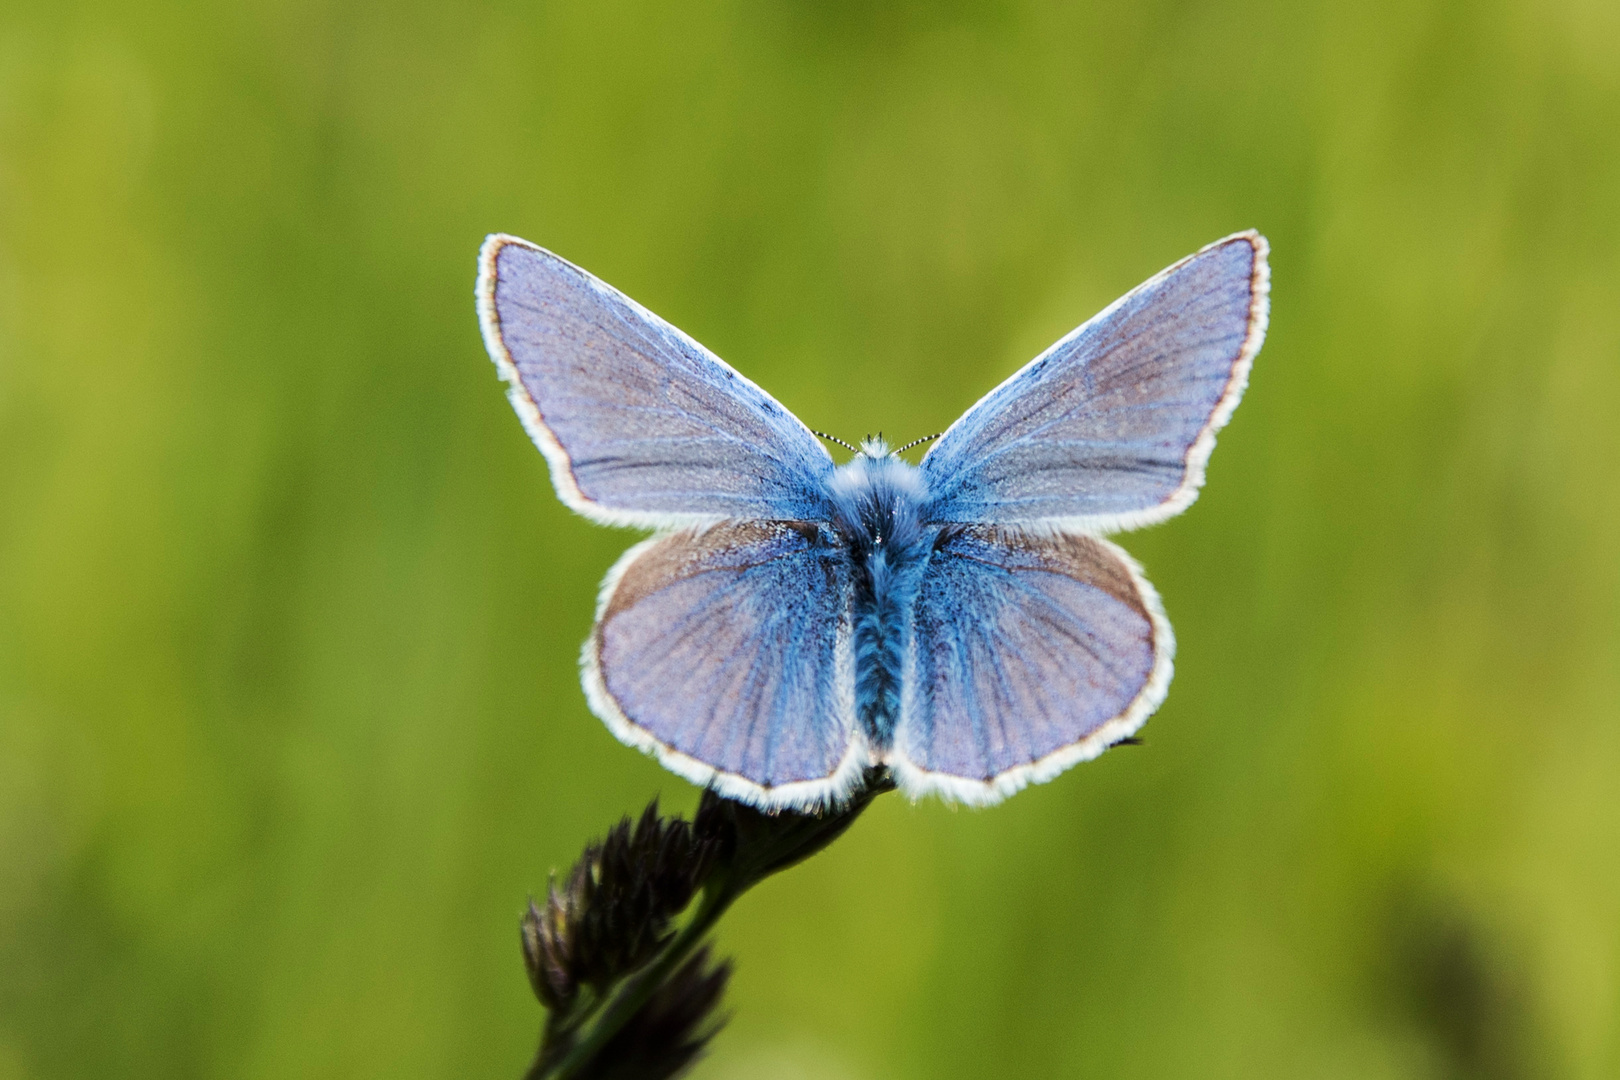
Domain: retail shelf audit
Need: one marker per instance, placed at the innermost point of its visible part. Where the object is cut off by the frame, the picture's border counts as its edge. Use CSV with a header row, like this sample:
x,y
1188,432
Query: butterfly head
x,y
876,495
874,448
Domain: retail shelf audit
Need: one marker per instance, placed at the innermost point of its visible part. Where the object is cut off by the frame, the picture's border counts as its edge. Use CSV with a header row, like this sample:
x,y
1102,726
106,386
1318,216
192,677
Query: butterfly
x,y
793,622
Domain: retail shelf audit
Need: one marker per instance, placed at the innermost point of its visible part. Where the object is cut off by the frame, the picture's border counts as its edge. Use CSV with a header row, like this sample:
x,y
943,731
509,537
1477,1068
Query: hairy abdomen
x,y
885,589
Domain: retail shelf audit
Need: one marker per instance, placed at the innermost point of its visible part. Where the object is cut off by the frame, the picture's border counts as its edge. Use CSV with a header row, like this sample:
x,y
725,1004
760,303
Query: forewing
x,y
1112,426
727,653
641,424
1029,653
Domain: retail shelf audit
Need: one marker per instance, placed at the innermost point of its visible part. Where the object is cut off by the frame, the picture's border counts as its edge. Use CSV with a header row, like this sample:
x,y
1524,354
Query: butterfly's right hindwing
x,y
641,424
1029,653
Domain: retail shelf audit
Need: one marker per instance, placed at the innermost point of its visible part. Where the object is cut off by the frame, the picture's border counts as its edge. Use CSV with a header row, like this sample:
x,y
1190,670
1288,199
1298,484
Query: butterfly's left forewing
x,y
727,653
641,424
1029,652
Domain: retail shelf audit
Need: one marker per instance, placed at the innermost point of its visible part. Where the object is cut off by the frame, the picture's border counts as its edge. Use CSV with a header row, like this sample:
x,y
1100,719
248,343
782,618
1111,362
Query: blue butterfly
x,y
794,621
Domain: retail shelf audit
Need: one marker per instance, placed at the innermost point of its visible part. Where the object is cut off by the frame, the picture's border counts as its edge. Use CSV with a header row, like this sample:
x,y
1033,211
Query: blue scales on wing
x,y
641,424
1112,426
727,652
1029,652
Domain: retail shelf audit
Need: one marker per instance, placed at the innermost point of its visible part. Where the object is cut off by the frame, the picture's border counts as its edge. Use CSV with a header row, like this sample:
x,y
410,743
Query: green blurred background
x,y
289,720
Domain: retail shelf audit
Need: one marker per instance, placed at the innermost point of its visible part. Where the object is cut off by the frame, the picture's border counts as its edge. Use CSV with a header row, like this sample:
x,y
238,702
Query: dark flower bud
x,y
544,959
667,1035
612,915
629,997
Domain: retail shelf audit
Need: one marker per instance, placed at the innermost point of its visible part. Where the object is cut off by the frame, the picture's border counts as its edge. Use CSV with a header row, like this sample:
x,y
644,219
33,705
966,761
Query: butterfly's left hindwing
x,y
1029,653
727,653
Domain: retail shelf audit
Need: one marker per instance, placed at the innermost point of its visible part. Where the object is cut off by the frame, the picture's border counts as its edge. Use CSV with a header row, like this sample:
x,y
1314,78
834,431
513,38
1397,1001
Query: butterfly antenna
x,y
836,439
917,442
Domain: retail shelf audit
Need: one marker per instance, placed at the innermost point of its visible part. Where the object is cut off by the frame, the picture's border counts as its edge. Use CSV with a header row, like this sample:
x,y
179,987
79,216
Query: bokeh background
x,y
289,720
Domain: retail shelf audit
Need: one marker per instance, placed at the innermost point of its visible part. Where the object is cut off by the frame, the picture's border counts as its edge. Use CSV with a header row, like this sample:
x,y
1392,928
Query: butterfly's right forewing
x,y
1112,426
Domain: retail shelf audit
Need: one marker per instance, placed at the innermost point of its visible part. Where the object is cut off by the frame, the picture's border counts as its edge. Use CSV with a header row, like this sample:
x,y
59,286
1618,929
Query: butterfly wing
x,y
641,424
727,653
1112,426
1030,652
